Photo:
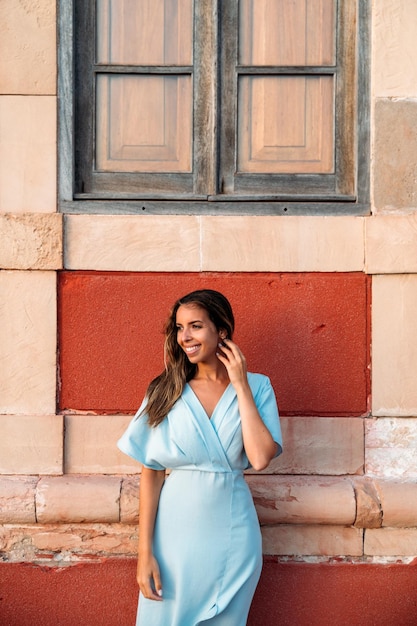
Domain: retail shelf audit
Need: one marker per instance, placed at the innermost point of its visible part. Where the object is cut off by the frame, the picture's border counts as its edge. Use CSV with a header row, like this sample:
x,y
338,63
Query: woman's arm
x,y
148,575
259,446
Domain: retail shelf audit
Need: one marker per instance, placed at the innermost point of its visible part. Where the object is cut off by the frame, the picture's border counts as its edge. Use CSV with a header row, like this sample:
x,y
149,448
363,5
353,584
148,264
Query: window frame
x,y
352,140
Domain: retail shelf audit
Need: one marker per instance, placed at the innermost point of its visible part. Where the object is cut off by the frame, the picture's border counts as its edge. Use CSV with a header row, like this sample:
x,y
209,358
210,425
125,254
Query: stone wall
x,y
346,485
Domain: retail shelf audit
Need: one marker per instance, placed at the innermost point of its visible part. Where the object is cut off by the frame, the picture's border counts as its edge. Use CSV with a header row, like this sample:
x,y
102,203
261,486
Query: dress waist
x,y
211,470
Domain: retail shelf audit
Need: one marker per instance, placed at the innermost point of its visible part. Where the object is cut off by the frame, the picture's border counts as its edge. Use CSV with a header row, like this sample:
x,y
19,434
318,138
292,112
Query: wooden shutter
x,y
289,67
213,102
141,97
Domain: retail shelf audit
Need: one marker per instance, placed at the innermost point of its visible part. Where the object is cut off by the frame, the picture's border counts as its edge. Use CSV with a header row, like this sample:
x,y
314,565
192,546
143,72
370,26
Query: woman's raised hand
x,y
234,361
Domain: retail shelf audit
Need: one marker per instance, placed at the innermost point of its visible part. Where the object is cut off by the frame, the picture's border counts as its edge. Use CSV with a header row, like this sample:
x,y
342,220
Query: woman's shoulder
x,y
257,380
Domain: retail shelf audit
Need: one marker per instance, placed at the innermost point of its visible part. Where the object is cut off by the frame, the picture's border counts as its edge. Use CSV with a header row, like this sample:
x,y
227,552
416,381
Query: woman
x,y
206,419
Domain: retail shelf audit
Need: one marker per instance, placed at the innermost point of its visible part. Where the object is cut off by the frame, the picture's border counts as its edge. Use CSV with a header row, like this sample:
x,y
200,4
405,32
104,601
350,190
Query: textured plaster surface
x,y
310,594
308,332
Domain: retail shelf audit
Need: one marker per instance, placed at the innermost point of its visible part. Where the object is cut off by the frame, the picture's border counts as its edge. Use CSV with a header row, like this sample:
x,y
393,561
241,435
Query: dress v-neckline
x,y
209,417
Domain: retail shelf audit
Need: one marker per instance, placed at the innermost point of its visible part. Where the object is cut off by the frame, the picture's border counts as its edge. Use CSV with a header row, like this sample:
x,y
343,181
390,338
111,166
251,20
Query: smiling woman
x,y
196,333
206,419
199,338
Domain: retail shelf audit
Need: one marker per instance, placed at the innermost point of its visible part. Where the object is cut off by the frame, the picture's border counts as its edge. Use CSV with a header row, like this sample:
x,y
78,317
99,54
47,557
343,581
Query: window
x,y
215,105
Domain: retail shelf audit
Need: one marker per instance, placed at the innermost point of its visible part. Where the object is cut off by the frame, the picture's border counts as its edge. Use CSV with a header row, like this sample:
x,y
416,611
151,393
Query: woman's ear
x,y
223,334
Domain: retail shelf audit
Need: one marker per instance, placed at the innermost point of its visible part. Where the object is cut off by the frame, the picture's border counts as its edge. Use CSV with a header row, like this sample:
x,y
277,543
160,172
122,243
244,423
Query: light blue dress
x,y
207,539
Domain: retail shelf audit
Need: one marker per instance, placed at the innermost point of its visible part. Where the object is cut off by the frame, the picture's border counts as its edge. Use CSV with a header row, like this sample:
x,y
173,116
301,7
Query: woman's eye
x,y
197,326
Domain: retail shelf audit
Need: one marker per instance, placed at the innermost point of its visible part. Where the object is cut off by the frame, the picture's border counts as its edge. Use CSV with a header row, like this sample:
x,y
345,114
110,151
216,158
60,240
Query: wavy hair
x,y
165,389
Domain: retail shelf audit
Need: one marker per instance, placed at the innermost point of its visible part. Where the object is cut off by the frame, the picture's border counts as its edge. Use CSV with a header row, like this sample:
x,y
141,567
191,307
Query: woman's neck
x,y
217,373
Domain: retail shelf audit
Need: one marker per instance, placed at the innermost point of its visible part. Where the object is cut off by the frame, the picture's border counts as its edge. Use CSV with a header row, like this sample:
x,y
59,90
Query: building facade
x,y
324,302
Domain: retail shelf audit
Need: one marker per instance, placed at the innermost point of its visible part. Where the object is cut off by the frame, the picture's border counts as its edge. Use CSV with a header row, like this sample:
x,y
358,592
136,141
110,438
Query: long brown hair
x,y
165,389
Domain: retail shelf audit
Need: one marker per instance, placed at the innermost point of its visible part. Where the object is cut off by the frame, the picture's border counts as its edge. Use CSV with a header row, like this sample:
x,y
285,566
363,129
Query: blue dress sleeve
x,y
266,404
137,440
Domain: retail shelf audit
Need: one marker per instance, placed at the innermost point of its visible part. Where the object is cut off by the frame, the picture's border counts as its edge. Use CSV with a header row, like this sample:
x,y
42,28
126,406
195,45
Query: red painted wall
x,y
309,332
289,594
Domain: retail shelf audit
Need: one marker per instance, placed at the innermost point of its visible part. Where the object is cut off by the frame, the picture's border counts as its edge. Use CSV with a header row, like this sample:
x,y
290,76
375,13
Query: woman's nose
x,y
186,334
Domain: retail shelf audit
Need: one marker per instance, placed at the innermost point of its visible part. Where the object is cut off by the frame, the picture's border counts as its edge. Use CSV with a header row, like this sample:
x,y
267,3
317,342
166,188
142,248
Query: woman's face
x,y
196,334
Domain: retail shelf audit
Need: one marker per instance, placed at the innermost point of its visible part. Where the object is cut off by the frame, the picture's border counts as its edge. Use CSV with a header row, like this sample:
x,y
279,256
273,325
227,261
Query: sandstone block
x,y
129,501
320,445
28,154
17,500
325,446
31,444
312,540
391,447
394,345
132,243
303,500
390,542
31,241
395,147
91,445
368,504
394,72
78,499
391,244
27,47
282,244
399,502
92,539
28,342
61,544
392,463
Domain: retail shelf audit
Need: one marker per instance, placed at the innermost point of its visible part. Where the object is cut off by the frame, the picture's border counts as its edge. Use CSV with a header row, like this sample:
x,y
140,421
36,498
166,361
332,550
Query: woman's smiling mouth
x,y
192,349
